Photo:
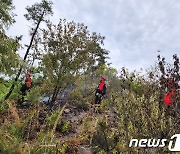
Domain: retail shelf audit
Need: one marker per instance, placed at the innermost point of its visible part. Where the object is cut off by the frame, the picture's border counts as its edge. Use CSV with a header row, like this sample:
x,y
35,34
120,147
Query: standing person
x,y
100,91
171,88
26,86
170,97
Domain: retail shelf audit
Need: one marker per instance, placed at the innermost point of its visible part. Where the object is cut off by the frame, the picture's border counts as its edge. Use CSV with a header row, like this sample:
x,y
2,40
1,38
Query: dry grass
x,y
57,120
13,111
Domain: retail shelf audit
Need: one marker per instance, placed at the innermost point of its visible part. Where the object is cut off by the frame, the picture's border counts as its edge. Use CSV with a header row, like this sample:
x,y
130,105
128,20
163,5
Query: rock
x,y
74,119
67,111
84,150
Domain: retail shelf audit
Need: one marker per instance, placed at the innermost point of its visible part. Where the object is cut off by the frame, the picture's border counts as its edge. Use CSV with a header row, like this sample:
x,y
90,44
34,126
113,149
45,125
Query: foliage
x,y
104,138
65,127
34,95
9,59
51,119
6,16
39,10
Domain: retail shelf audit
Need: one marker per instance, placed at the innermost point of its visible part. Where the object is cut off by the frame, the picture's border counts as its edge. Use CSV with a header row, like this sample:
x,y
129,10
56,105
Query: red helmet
x,y
28,74
103,78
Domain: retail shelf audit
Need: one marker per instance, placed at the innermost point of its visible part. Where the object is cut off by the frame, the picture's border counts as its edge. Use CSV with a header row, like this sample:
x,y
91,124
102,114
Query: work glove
x,y
97,94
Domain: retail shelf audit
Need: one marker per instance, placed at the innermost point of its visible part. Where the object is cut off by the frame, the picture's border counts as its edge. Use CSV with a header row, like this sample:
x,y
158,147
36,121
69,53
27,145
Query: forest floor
x,y
75,127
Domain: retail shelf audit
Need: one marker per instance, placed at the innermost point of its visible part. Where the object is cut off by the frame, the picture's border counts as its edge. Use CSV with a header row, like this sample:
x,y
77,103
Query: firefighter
x,y
170,97
26,86
171,87
100,91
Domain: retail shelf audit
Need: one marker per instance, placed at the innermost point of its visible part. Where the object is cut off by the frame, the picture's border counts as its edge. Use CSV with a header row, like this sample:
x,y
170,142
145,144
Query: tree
x,y
70,50
37,13
9,58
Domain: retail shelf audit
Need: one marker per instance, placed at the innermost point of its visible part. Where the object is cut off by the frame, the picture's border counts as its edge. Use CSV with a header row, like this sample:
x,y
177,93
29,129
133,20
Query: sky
x,y
134,29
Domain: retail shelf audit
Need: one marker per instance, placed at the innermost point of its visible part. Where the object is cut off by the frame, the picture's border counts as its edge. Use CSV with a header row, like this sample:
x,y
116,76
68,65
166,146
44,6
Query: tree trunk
x,y
55,93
